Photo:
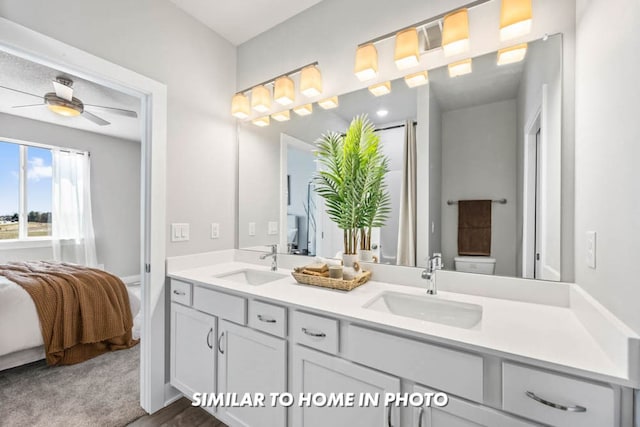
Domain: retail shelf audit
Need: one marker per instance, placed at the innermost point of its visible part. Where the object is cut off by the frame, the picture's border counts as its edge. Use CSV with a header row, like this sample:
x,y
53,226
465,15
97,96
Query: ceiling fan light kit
x,y
63,103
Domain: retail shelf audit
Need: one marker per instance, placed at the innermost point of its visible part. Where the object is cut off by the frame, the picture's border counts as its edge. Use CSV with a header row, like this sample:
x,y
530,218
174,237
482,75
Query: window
x,y
25,191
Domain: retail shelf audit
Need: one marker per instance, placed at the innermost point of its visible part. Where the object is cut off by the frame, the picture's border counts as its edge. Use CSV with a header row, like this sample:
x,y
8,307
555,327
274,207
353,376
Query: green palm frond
x,y
352,180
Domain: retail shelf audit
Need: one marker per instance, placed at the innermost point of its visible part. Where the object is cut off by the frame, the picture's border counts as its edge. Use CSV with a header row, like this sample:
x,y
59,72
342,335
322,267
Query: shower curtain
x,y
408,200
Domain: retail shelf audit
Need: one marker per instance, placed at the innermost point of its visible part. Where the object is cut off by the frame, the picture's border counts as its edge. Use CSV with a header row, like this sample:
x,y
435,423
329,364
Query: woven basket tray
x,y
327,282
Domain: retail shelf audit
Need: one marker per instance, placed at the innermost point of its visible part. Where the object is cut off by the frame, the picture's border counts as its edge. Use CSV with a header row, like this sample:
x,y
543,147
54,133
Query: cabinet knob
x,y
575,408
177,292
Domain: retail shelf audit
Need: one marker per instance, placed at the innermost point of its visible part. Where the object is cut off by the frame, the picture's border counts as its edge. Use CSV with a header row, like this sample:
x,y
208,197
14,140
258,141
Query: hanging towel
x,y
474,227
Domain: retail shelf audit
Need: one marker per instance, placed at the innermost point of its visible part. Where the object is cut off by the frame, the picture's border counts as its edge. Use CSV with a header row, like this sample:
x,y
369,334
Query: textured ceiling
x,y
239,21
27,76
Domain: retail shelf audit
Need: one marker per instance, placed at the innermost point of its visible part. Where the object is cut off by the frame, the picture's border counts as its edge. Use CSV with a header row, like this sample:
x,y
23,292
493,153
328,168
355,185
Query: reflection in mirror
x,y
491,136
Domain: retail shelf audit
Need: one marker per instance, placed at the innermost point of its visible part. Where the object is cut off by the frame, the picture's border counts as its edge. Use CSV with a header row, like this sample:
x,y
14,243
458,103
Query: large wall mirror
x,y
492,136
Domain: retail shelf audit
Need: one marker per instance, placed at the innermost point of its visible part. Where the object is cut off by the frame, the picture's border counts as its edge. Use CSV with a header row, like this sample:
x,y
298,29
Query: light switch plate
x,y
215,230
252,229
591,249
179,232
272,228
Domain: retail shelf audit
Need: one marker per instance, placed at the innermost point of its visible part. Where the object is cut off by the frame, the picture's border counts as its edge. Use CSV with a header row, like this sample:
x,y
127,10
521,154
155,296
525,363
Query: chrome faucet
x,y
274,257
429,273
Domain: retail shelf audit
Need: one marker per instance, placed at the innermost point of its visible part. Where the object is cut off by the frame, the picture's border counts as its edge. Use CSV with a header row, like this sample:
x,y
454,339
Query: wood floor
x,y
179,414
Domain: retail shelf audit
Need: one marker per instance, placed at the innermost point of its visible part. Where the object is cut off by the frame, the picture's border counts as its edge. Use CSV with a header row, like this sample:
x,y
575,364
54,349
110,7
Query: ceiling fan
x,y
62,102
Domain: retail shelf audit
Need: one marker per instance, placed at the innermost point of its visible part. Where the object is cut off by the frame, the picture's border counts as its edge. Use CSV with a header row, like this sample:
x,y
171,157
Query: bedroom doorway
x,y
30,45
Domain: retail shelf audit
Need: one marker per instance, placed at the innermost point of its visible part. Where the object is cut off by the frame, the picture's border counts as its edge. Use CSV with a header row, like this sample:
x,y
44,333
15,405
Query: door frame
x,y
36,47
529,193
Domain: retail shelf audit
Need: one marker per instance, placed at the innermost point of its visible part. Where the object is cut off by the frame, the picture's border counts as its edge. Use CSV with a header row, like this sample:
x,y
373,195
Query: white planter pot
x,y
366,255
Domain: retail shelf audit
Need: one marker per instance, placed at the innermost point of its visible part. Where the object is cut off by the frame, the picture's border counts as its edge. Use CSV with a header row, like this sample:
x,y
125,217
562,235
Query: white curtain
x,y
408,200
72,224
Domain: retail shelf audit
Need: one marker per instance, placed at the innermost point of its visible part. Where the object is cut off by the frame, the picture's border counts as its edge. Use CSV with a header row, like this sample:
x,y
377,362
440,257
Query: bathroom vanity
x,y
504,352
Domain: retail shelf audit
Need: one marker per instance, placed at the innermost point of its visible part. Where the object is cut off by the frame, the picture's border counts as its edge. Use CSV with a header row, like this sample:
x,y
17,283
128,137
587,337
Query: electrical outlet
x,y
591,249
215,230
252,229
272,228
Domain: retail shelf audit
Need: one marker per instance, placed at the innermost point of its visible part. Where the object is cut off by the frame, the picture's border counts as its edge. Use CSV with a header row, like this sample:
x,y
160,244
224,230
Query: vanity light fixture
x,y
261,121
261,99
512,54
460,68
417,79
515,19
310,81
455,33
366,67
240,107
329,103
303,110
407,52
381,89
281,116
284,91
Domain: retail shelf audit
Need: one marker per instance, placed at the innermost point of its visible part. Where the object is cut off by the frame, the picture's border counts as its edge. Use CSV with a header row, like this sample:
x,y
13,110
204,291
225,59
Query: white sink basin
x,y
429,308
249,276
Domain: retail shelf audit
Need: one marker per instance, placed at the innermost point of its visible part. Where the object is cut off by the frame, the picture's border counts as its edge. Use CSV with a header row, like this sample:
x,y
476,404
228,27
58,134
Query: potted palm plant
x,y
352,183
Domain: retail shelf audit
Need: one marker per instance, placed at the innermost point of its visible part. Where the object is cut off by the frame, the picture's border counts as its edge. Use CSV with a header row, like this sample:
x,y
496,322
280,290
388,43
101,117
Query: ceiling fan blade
x,y
20,91
63,91
95,119
113,110
29,105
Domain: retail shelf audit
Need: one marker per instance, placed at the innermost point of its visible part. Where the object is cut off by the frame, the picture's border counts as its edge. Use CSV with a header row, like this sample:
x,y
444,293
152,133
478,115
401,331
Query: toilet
x,y
475,264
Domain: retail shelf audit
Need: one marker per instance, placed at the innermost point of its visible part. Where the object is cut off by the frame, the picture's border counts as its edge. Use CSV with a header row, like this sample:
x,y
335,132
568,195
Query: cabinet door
x,y
461,413
193,357
252,362
316,372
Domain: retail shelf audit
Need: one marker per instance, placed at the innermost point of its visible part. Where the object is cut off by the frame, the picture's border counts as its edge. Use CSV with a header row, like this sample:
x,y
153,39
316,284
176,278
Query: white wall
x,y
330,31
543,66
478,162
607,152
115,191
158,40
435,177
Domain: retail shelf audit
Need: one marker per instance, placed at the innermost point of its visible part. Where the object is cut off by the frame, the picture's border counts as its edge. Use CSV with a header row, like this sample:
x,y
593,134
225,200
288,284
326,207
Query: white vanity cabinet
x,y
193,338
461,413
317,372
251,362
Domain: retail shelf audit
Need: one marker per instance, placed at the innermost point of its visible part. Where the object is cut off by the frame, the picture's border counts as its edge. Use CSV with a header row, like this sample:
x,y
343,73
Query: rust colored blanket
x,y
83,312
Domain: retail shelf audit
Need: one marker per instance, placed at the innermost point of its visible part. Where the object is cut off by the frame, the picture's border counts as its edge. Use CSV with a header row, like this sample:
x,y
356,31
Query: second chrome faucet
x,y
429,273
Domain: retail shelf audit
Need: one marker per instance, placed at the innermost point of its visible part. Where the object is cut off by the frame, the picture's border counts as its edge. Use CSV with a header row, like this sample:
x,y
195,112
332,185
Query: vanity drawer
x,y
219,304
180,292
451,371
268,318
533,393
315,331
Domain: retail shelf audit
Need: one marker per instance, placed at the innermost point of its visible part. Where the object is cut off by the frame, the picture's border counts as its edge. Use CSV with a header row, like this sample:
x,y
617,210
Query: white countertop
x,y
544,335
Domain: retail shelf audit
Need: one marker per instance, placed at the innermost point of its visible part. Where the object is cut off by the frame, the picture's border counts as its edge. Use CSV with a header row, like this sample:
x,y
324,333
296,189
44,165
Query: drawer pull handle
x,y
389,416
177,292
420,414
314,334
220,343
209,339
266,319
575,408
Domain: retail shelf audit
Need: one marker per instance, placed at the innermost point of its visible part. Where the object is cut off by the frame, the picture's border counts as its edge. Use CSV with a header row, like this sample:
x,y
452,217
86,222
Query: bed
x,y
20,336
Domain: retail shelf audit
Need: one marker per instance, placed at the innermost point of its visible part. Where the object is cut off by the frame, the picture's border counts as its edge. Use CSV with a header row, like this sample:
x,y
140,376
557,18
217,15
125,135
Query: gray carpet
x,y
103,391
